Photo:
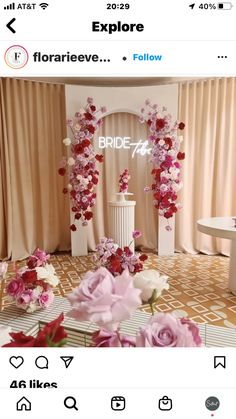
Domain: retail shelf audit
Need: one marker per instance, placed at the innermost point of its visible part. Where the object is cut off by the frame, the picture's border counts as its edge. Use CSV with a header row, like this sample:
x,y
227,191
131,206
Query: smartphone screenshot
x,y
117,209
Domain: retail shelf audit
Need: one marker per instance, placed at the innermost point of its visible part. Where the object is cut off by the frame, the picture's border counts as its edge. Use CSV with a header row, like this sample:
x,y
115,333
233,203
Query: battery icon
x,y
225,5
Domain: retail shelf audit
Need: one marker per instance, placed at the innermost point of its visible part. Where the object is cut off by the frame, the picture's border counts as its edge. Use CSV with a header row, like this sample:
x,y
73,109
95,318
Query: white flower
x,y
71,161
48,274
79,177
32,307
69,187
67,141
77,127
161,142
149,281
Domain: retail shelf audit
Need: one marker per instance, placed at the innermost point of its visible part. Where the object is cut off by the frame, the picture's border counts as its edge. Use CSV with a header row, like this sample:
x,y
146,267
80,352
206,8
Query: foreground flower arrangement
x,y
31,288
116,260
165,156
83,173
107,301
51,335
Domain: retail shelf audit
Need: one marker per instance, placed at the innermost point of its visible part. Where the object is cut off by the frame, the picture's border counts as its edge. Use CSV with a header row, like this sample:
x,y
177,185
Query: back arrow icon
x,y
9,25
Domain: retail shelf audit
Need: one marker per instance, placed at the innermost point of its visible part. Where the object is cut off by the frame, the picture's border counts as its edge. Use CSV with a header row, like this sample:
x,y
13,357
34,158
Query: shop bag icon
x,y
165,403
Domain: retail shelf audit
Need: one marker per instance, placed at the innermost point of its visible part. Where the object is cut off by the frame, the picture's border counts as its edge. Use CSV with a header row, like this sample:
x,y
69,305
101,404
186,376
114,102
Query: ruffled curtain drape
x,y
208,109
33,210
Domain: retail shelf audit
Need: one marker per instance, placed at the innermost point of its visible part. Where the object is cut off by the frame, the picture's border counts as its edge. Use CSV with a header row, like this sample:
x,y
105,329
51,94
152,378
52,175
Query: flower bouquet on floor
x,y
3,274
31,287
116,259
107,301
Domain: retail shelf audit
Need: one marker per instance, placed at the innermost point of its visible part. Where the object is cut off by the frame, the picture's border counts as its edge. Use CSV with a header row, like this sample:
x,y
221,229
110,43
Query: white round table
x,y
223,227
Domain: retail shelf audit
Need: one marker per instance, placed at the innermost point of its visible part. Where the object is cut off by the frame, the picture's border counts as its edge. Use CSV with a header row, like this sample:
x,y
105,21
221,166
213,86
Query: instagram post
x,y
116,219
117,209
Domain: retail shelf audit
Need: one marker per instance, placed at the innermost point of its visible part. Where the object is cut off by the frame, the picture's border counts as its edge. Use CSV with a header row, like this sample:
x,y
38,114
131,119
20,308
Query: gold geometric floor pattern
x,y
198,284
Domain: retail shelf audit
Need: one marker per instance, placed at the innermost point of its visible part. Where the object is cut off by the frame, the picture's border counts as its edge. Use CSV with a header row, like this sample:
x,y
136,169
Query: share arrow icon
x,y
192,5
67,360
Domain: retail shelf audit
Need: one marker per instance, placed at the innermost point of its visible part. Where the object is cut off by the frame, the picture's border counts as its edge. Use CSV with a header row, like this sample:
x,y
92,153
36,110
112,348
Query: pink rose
x,y
164,330
136,234
107,339
3,269
15,287
42,257
45,299
25,298
193,329
103,299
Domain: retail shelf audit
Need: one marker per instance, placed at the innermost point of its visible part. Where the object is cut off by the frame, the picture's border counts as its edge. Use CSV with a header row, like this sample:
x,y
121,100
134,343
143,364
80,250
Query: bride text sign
x,y
138,147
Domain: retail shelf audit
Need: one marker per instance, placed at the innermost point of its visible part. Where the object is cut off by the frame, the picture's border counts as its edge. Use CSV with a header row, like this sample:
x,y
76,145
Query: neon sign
x,y
140,147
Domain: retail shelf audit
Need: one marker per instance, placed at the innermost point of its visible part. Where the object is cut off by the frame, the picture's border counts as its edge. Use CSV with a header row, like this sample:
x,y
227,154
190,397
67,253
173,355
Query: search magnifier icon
x,y
70,403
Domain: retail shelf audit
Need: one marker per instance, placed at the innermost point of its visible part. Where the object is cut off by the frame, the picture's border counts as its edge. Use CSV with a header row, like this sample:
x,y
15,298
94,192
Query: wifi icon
x,y
44,5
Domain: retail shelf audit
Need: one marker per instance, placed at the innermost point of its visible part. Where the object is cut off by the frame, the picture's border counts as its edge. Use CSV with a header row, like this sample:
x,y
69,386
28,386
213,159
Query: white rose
x,y
71,161
79,177
48,274
67,141
32,307
149,281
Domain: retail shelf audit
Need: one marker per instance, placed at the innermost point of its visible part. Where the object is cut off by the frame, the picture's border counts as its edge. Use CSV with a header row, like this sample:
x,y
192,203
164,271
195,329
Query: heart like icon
x,y
16,361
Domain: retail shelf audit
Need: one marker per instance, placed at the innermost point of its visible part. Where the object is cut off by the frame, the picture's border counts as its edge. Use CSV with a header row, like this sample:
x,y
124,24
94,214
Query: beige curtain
x,y
33,210
209,172
116,160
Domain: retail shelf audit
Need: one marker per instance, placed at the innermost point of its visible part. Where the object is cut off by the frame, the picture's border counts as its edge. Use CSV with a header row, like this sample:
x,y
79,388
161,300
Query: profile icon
x,y
16,56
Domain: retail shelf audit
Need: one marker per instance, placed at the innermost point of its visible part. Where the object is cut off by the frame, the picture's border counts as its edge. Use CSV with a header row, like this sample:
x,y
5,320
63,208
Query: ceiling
x,y
113,81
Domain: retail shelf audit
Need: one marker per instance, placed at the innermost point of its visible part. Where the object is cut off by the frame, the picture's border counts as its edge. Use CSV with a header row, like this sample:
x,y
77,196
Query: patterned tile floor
x,y
198,284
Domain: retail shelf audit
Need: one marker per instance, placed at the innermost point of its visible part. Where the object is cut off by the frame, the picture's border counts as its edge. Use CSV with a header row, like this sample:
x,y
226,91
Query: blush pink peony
x,y
103,299
165,330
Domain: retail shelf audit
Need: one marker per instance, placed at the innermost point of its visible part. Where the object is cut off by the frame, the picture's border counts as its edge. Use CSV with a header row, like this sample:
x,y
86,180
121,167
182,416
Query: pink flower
x,y
42,257
103,299
25,297
107,339
45,299
3,269
103,109
15,287
193,329
164,330
136,234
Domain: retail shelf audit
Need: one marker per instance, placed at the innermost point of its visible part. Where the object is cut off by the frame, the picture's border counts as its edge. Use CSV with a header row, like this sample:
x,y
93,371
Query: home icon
x,y
23,404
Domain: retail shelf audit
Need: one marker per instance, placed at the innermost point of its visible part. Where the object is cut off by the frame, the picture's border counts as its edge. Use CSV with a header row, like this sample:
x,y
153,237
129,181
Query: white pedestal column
x,y
166,239
232,268
79,239
121,222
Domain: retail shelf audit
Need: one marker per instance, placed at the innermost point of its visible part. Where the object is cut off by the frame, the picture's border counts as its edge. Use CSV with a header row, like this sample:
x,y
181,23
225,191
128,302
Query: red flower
x,y
119,251
74,209
88,215
91,129
86,143
73,194
29,276
168,214
73,227
149,122
160,123
181,125
62,171
77,216
99,157
180,156
20,340
32,262
88,116
93,108
52,335
94,180
143,257
168,142
65,190
78,149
